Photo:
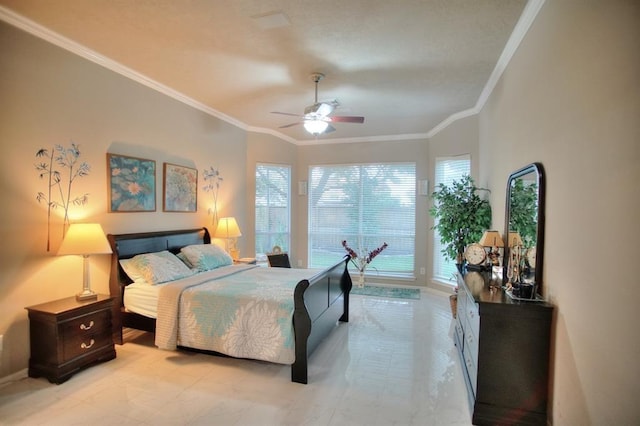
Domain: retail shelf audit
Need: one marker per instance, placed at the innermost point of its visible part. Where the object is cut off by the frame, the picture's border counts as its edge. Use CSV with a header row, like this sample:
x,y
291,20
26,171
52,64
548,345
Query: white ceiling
x,y
405,65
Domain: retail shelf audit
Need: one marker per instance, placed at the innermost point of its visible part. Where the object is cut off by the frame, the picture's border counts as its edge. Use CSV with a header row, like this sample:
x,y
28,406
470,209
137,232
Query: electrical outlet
x,y
422,271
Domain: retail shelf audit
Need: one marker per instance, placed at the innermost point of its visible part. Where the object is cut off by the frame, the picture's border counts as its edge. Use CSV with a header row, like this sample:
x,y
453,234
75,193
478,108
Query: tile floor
x,y
393,364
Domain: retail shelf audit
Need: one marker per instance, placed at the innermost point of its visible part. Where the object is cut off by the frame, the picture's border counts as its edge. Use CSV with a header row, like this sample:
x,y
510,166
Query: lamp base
x,y
86,295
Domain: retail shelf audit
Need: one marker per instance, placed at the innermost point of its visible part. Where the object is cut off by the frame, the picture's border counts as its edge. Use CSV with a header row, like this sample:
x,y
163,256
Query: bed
x,y
320,298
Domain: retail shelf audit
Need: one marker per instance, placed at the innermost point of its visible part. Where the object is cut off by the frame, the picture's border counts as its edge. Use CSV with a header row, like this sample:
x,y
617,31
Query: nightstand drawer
x,y
76,345
88,324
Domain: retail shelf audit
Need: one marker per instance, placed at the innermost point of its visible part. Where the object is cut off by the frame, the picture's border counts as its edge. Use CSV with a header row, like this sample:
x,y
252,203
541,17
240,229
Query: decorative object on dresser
x,y
229,230
460,216
68,335
314,302
524,223
493,240
85,239
475,256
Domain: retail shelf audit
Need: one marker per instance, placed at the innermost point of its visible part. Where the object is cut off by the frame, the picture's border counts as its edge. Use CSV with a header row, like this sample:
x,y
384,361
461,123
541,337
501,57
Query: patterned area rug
x,y
397,292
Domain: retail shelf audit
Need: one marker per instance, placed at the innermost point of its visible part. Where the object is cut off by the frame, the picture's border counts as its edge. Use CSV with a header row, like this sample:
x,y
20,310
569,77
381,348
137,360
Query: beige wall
x,y
570,99
49,96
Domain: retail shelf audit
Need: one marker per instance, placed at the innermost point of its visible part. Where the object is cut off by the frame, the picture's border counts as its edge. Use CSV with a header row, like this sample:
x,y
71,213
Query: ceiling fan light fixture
x,y
321,109
315,127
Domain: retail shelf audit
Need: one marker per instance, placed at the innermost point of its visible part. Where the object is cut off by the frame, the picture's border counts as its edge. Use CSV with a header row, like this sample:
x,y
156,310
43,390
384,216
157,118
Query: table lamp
x,y
85,239
228,230
492,239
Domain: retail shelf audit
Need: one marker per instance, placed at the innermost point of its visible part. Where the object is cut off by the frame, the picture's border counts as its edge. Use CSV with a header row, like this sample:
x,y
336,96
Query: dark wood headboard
x,y
125,246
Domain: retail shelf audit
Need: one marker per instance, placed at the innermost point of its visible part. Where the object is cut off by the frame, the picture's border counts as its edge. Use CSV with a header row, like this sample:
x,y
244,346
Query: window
x,y
367,205
273,206
447,170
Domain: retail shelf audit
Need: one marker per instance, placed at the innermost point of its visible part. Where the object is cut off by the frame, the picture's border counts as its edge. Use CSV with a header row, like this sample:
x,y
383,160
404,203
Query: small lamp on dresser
x,y
492,239
85,239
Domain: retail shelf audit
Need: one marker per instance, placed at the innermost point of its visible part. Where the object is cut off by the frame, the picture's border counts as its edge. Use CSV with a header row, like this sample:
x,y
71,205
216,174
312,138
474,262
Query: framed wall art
x,y
180,187
131,184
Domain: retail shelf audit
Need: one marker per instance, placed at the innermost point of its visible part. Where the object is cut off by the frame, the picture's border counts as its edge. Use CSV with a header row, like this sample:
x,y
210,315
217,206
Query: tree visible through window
x,y
447,170
367,205
273,206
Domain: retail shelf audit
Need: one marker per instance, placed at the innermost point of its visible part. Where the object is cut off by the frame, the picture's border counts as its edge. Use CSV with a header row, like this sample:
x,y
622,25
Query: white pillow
x,y
205,257
155,268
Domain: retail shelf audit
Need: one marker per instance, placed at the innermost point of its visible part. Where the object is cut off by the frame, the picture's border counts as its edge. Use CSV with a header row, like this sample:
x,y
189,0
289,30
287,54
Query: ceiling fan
x,y
316,117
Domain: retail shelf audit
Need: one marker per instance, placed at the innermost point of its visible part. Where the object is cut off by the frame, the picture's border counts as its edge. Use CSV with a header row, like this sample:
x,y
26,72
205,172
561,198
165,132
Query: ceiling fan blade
x,y
286,113
345,119
288,125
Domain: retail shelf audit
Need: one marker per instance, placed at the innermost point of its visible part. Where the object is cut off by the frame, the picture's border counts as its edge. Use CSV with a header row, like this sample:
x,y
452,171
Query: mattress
x,y
142,299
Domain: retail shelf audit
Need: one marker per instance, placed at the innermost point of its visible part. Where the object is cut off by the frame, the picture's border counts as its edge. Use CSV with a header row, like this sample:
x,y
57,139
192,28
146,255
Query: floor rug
x,y
397,292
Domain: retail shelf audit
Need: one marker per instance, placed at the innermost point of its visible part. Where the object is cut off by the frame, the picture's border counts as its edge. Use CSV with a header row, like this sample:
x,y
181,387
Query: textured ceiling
x,y
405,65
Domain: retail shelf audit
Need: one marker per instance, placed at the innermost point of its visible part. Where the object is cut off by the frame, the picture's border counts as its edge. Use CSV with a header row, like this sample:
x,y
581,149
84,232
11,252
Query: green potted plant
x,y
461,216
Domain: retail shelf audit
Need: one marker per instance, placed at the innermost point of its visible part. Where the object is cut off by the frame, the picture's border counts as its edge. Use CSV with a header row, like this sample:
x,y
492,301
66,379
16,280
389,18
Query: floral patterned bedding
x,y
242,311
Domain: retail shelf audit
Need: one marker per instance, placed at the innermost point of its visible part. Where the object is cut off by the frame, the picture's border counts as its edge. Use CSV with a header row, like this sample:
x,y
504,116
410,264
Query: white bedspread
x,y
241,310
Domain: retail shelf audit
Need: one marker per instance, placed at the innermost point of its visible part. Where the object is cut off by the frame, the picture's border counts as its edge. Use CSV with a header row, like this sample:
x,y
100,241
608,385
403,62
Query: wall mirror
x,y
524,227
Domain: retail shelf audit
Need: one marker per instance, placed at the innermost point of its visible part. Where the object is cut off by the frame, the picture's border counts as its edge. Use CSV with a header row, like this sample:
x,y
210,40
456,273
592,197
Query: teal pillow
x,y
155,268
205,257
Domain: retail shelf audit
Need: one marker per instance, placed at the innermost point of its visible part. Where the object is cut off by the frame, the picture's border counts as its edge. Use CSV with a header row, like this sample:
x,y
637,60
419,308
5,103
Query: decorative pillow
x,y
205,257
155,268
182,257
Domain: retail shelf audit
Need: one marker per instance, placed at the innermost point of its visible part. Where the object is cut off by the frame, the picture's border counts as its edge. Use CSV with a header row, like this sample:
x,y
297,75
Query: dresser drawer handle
x,y
85,346
87,327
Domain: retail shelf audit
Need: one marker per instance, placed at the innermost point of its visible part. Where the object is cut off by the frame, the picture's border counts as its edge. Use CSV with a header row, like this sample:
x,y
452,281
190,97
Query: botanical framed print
x,y
179,189
132,184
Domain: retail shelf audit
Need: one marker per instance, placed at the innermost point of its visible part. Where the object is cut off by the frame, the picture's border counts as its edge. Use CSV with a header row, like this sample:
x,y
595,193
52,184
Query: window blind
x,y
273,208
447,170
366,205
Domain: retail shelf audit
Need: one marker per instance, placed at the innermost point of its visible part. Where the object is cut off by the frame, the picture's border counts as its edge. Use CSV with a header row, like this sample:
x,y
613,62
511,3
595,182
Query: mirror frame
x,y
540,180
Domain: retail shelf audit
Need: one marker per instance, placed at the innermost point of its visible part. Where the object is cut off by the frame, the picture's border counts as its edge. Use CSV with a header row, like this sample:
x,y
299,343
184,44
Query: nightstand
x,y
67,336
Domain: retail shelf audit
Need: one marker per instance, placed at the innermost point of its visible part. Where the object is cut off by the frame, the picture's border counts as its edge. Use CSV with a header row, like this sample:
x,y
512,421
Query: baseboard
x,y
22,374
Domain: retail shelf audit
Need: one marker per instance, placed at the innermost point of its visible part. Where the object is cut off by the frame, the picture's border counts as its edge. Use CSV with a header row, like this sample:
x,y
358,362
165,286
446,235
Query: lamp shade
x,y
514,239
315,127
491,239
85,238
227,228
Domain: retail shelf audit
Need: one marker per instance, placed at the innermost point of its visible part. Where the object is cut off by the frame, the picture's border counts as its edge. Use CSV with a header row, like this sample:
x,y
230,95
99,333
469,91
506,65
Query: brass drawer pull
x,y
87,327
85,346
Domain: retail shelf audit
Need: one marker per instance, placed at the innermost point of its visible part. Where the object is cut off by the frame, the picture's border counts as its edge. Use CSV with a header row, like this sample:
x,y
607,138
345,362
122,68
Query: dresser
x,y
504,348
67,335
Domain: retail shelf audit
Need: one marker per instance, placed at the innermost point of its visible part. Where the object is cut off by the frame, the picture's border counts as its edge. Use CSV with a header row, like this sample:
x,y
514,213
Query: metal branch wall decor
x,y
60,167
213,180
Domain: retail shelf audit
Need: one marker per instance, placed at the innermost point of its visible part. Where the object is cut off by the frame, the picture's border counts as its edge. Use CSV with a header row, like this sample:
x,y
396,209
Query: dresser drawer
x,y
472,369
